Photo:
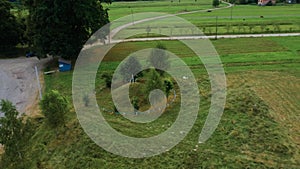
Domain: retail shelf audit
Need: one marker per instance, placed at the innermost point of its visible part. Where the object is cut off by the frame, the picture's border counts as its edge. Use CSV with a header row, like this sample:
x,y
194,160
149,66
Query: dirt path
x,y
18,82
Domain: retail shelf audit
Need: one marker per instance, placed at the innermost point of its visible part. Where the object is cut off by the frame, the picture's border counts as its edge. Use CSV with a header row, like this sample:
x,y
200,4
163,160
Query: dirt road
x,y
18,82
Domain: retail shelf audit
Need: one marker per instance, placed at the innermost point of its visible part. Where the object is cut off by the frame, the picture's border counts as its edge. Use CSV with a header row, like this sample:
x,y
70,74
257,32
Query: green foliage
x,y
10,29
159,58
168,86
54,107
11,128
216,3
107,78
61,27
130,67
243,139
148,30
154,81
135,103
247,102
14,134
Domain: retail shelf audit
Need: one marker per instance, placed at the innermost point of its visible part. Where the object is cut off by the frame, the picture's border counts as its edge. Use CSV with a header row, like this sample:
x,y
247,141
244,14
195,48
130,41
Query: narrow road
x,y
118,29
207,37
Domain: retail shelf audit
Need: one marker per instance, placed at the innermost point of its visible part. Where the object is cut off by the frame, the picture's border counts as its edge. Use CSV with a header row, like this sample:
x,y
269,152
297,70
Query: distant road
x,y
118,29
207,37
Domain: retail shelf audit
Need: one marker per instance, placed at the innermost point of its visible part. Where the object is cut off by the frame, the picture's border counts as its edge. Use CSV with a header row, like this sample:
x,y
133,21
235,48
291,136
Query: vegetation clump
x,y
54,107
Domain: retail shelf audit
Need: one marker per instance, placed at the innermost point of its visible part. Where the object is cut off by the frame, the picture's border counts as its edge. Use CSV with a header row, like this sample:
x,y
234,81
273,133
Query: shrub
x,y
107,78
14,134
216,3
54,107
154,81
168,86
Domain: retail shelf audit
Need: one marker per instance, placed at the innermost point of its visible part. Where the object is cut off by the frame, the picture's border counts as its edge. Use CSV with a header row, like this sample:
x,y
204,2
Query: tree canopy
x,y
130,67
13,132
159,58
154,81
54,107
61,27
10,28
216,3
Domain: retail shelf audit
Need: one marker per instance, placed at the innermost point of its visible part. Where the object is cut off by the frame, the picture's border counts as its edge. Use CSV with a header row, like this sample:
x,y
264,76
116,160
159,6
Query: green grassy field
x,y
120,9
245,18
260,124
252,132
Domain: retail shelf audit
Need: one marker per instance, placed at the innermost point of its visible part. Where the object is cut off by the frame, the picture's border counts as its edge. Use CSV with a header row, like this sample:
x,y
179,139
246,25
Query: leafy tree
x,y
14,134
168,86
11,127
131,67
250,26
107,78
263,27
228,27
243,1
154,81
61,27
159,58
148,30
135,102
216,3
54,107
10,28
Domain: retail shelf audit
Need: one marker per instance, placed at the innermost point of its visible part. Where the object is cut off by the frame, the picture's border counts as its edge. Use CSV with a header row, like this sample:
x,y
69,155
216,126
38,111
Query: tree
x,y
61,27
54,107
228,27
168,86
243,1
14,134
159,58
11,127
148,30
107,78
154,81
250,26
135,102
10,28
216,3
131,67
263,27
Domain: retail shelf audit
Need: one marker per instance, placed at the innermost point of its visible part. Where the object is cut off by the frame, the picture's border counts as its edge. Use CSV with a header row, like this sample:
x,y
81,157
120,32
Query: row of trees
x,y
56,27
256,1
158,59
251,28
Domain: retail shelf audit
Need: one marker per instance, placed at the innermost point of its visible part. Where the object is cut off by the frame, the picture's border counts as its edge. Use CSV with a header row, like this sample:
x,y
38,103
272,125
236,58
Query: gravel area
x,y
18,82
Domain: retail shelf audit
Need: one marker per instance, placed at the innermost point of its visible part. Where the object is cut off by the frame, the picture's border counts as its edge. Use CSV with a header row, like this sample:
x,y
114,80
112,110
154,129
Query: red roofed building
x,y
265,2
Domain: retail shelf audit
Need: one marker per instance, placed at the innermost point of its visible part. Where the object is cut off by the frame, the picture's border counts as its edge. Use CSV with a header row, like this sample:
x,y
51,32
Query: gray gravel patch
x,y
18,82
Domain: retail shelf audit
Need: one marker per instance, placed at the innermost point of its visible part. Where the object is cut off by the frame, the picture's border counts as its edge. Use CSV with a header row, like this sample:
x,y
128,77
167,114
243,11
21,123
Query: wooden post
x,y
38,81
